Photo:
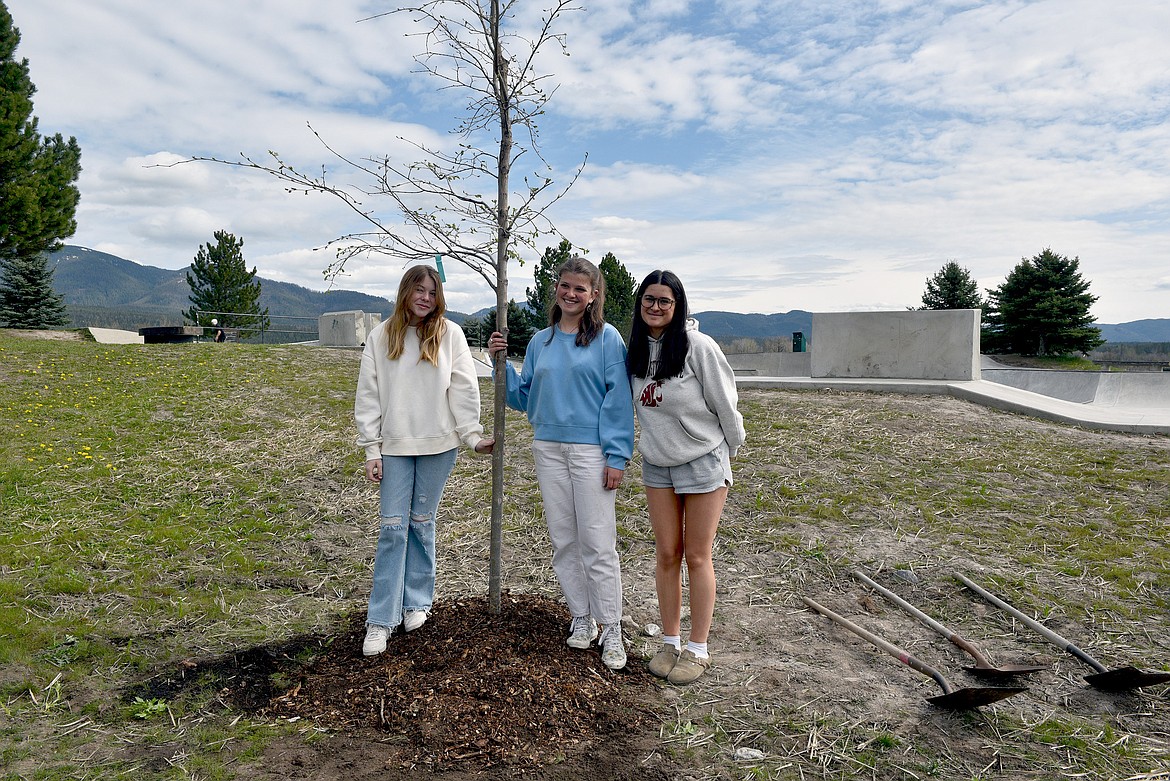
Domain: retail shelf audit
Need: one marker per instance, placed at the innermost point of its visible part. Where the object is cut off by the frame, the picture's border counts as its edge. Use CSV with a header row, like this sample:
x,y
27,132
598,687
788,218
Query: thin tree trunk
x,y
502,237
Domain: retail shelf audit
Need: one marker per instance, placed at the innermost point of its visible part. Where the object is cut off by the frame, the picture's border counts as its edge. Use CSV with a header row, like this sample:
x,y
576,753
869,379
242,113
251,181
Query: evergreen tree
x,y
1042,308
620,287
520,328
27,299
952,288
540,297
223,288
38,195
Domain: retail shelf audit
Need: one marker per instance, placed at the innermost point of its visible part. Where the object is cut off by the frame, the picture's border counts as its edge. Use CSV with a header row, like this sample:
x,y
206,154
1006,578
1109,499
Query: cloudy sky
x,y
776,154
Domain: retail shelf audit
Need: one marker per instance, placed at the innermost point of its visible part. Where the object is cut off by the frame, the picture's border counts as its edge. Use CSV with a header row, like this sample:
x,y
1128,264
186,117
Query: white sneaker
x,y
613,647
582,633
414,619
376,637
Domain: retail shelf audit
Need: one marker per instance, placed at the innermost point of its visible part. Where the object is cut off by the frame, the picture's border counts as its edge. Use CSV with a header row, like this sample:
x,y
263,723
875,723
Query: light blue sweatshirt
x,y
577,394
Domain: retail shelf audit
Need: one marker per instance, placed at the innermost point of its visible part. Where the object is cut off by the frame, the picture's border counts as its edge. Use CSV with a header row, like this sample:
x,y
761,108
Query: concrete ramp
x,y
115,336
1139,390
1136,390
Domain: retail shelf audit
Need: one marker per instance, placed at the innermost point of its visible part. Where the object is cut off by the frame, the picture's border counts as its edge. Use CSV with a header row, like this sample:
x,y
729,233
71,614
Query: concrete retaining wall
x,y
346,329
927,345
771,364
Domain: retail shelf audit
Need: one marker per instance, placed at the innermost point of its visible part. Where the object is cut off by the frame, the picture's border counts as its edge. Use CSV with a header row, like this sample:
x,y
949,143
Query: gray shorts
x,y
701,476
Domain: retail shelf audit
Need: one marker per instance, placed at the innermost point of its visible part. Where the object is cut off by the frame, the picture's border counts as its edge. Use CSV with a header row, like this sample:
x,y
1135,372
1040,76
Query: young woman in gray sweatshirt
x,y
685,397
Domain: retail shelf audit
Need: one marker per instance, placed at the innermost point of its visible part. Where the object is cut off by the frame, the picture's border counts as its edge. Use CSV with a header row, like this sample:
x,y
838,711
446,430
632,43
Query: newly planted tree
x,y
462,203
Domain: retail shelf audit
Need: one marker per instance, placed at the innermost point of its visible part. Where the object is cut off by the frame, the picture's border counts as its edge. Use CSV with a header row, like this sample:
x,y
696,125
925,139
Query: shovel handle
x,y
889,648
1048,634
897,600
930,622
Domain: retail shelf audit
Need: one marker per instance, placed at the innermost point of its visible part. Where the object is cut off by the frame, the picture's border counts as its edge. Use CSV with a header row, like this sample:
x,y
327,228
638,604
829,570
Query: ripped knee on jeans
x,y
391,521
422,518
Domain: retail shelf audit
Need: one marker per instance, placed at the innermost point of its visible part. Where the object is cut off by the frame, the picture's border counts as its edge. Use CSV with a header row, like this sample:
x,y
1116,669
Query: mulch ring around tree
x,y
470,690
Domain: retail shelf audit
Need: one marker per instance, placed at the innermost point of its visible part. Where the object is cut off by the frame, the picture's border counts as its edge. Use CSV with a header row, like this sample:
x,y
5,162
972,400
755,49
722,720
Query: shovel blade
x,y
1125,678
968,699
1004,671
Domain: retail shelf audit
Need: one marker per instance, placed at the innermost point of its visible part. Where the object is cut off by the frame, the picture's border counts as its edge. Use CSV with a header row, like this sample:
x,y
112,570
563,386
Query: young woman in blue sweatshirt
x,y
684,392
574,388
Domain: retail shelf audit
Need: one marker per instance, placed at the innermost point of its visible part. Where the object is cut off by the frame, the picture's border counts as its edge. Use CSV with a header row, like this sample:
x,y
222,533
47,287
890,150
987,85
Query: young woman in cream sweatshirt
x,y
417,400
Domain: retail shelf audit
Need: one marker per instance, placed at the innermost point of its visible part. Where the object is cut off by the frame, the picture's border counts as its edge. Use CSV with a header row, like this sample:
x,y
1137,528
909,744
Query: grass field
x,y
161,503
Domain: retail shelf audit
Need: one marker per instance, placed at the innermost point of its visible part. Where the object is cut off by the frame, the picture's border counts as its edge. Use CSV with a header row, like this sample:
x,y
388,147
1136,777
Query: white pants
x,y
582,524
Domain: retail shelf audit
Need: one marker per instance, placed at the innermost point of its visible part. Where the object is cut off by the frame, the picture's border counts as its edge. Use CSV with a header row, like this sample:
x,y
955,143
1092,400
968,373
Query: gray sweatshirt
x,y
685,417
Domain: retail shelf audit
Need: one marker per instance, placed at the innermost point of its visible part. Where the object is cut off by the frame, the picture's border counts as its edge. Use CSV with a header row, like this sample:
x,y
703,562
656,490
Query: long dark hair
x,y
593,321
673,354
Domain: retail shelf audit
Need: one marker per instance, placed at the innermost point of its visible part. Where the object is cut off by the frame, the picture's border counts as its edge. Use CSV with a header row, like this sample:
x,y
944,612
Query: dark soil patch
x,y
470,693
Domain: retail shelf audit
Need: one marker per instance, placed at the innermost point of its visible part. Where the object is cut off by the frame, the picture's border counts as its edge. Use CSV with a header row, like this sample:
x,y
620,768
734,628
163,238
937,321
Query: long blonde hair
x,y
433,326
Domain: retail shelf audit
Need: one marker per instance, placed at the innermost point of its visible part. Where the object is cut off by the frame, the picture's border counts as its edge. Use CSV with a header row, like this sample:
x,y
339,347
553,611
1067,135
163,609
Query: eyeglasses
x,y
663,303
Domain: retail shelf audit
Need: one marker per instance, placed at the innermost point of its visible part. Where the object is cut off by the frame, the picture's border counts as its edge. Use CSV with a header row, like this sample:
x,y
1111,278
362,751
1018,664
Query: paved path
x,y
1109,413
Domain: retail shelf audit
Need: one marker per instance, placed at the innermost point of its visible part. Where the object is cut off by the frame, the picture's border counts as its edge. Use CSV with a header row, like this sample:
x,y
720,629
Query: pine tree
x,y
520,328
223,288
540,297
620,287
1042,308
27,299
38,195
952,288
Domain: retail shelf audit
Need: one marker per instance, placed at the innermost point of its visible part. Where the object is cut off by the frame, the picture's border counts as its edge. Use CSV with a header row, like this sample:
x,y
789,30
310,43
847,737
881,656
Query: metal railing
x,y
287,331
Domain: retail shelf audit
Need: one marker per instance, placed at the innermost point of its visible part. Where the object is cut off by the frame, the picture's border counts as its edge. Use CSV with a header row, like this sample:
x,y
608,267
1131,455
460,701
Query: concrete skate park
x,y
898,352
938,352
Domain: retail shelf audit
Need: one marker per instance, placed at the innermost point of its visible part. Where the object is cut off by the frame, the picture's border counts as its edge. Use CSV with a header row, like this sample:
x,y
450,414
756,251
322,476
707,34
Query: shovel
x,y
982,666
951,699
1120,679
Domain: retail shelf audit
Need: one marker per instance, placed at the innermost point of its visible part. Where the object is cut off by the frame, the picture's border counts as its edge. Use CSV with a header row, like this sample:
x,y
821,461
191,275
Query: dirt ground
x,y
477,695
472,694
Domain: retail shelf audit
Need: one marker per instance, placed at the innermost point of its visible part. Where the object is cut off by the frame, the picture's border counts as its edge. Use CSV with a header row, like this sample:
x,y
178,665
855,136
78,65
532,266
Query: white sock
x,y
698,649
675,640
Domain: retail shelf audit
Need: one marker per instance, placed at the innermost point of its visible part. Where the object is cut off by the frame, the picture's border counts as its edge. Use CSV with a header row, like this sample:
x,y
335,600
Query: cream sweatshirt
x,y
409,407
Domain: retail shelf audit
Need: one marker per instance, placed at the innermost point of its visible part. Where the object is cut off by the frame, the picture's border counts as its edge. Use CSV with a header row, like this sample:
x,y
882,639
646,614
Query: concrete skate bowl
x,y
1121,390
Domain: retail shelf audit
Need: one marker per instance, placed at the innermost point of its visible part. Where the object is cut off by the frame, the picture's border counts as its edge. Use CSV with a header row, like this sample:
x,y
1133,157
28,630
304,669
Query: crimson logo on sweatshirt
x,y
651,395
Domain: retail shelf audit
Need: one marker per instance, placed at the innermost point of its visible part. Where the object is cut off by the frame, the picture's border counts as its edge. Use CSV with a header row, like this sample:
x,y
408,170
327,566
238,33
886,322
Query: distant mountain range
x,y
122,294
104,290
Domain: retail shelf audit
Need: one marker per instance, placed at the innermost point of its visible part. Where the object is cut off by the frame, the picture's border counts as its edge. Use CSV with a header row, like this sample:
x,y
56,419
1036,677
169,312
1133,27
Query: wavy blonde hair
x,y
433,326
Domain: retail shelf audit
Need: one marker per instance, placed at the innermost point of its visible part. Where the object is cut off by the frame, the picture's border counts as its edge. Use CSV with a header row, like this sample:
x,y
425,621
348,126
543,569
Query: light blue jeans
x,y
404,566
